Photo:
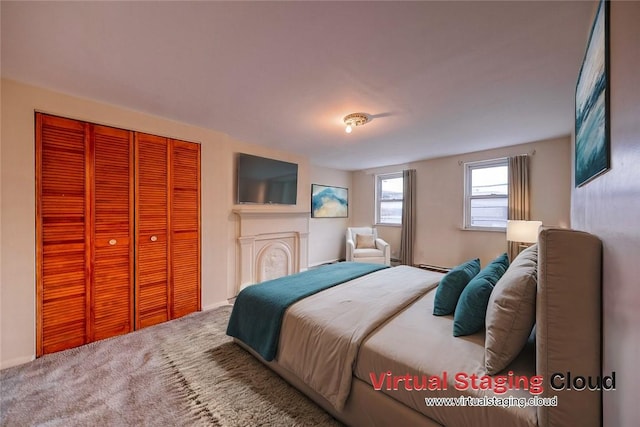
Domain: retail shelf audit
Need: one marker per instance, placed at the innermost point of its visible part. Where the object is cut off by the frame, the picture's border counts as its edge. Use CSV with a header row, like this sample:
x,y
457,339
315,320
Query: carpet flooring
x,y
186,372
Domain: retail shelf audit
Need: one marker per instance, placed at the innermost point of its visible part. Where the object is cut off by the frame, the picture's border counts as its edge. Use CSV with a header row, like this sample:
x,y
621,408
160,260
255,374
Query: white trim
x,y
488,162
26,359
386,224
215,305
329,261
489,229
17,361
377,189
466,215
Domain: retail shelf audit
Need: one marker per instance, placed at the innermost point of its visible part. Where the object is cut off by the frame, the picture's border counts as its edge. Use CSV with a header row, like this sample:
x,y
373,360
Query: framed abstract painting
x,y
592,150
329,202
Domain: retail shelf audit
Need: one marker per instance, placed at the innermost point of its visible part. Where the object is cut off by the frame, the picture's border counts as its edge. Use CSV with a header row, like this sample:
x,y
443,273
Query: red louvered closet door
x,y
84,224
112,292
185,228
62,234
117,230
152,230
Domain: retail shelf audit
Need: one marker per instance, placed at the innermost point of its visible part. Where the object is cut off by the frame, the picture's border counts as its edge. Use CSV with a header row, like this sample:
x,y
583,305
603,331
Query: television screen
x,y
266,181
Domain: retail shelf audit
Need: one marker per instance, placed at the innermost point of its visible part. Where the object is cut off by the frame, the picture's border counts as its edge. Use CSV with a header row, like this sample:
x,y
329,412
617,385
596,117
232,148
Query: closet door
x,y
62,234
185,228
112,281
112,206
152,232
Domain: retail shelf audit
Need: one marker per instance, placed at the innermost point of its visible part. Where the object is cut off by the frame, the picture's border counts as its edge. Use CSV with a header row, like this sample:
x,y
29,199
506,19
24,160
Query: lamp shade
x,y
523,231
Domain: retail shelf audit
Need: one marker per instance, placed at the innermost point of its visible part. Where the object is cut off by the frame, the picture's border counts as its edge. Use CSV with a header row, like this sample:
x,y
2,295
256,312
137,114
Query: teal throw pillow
x,y
472,307
451,286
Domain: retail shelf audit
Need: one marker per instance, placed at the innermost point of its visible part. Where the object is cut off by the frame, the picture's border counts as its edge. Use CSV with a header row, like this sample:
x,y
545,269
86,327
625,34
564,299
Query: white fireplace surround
x,y
271,244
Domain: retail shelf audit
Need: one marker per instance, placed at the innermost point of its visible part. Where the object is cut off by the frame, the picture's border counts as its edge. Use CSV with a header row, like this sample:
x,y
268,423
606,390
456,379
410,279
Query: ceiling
x,y
438,78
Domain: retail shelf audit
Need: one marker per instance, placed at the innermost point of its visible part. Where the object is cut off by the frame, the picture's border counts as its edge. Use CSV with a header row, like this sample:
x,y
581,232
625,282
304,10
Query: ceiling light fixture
x,y
355,119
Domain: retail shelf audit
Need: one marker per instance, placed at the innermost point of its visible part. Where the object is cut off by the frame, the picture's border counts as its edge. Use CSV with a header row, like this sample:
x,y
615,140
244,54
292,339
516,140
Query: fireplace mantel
x,y
250,210
272,243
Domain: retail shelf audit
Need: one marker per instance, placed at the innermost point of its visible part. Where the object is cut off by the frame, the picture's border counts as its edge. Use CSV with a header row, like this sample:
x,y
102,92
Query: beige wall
x,y
609,207
440,239
219,224
326,235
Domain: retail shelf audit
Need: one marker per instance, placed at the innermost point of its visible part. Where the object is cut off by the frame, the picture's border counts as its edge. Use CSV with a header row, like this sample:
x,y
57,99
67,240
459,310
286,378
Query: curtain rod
x,y
531,153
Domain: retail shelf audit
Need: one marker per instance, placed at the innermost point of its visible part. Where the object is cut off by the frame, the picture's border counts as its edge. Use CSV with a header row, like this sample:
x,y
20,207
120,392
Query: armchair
x,y
363,245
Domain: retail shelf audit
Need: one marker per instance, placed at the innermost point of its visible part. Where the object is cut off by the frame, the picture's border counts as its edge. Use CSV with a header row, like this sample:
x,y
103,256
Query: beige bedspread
x,y
321,334
420,344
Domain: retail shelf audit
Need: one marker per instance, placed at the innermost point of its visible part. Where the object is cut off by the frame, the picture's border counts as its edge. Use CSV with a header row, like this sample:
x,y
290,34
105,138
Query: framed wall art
x,y
592,149
329,202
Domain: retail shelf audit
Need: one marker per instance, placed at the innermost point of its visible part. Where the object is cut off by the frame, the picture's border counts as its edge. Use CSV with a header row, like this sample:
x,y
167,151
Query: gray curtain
x,y
519,205
408,217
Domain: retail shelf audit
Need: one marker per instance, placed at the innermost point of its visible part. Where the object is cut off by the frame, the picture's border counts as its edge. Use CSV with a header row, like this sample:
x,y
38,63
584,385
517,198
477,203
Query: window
x,y
486,195
389,194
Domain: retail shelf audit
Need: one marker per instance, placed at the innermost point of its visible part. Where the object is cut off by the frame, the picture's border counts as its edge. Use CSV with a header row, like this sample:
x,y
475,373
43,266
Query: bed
x,y
369,350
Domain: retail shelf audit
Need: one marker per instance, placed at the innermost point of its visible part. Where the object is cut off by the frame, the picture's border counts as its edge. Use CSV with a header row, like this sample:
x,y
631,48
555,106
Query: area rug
x,y
186,372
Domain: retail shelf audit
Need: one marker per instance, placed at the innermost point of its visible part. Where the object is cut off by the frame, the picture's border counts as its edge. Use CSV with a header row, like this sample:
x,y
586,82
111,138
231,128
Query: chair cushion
x,y
367,253
511,312
365,241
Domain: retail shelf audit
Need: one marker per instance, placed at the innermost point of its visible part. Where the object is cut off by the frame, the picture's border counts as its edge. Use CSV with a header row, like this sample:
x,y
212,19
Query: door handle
x,y
153,238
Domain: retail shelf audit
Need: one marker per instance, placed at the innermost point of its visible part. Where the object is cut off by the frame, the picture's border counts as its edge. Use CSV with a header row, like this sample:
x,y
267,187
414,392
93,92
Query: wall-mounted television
x,y
266,181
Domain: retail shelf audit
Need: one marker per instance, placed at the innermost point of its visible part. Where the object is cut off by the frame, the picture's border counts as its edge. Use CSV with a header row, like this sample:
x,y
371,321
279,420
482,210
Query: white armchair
x,y
363,245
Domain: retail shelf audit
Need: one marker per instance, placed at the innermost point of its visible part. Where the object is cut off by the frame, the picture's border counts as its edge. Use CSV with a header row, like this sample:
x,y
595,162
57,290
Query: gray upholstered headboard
x,y
568,324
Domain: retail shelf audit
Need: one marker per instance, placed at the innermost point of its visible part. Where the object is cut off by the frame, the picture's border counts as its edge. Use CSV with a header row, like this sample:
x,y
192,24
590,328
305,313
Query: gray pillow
x,y
365,241
511,312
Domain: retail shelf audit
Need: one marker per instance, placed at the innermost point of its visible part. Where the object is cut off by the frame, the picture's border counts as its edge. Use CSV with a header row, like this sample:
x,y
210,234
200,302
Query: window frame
x,y
378,199
468,168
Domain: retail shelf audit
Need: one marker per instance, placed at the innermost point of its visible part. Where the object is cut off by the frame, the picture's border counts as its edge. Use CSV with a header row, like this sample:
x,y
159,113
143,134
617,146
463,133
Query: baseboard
x,y
25,359
215,305
318,264
17,361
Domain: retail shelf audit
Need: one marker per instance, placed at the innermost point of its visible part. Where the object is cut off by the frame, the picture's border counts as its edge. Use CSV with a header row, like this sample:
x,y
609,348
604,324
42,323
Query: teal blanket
x,y
258,311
